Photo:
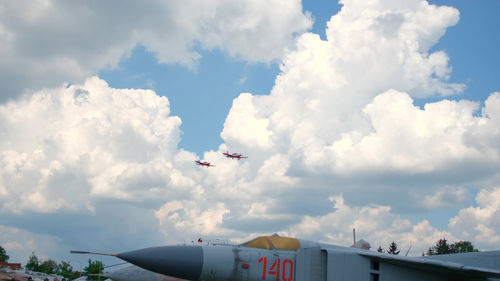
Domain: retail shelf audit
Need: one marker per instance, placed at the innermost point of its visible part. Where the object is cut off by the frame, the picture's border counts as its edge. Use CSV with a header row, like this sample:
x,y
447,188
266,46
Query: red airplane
x,y
234,155
206,164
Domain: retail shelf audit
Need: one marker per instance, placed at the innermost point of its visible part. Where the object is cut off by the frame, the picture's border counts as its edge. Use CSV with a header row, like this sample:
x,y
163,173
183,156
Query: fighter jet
x,y
290,259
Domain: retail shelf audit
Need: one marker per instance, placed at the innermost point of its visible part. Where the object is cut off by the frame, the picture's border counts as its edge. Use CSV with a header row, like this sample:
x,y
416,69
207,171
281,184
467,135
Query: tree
x,y
48,266
3,255
393,248
429,252
51,267
64,268
95,267
379,249
33,263
442,248
463,247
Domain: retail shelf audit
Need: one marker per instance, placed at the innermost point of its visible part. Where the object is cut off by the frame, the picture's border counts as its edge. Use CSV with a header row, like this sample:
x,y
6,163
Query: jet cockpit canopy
x,y
273,242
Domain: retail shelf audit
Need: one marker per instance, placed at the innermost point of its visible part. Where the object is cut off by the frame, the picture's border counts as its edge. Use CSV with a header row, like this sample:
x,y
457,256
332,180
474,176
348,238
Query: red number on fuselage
x,y
290,276
264,268
276,269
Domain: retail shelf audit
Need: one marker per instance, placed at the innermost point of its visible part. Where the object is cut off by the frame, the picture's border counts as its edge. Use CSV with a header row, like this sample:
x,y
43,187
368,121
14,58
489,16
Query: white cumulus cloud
x,y
374,223
45,43
60,147
480,223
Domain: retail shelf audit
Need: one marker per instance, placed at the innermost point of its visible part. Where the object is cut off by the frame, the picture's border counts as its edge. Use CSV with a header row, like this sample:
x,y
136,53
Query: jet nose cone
x,y
184,262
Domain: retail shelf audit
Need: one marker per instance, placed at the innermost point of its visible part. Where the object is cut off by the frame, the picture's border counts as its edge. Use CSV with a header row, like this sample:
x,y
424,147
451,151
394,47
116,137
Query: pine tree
x,y
442,247
379,249
393,248
430,252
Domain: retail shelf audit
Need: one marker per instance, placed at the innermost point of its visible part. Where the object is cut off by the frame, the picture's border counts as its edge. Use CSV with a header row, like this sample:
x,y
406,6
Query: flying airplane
x,y
206,164
233,155
290,259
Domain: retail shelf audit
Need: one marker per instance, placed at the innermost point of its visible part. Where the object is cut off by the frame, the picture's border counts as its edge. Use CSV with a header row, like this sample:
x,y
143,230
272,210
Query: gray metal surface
x,y
132,273
219,263
310,264
490,259
438,266
184,262
309,261
135,273
347,266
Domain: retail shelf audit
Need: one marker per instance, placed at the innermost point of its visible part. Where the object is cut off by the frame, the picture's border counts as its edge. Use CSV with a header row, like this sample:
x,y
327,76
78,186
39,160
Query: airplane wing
x,y
444,264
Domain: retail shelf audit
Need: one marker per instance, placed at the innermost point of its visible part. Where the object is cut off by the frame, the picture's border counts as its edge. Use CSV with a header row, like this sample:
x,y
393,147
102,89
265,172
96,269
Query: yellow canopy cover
x,y
273,242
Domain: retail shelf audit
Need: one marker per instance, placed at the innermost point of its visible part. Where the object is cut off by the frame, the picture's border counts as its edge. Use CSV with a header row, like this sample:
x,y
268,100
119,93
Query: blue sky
x,y
202,97
471,45
361,130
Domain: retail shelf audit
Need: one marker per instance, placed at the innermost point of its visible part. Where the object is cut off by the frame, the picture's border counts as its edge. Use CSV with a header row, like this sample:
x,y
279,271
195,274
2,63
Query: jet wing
x,y
434,264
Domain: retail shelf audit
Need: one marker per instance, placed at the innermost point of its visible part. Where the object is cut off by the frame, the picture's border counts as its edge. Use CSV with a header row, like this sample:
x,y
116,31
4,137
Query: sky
x,y
378,115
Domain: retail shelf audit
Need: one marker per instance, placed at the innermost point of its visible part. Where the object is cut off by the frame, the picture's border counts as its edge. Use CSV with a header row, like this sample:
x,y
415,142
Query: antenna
x,y
116,264
354,235
409,248
92,253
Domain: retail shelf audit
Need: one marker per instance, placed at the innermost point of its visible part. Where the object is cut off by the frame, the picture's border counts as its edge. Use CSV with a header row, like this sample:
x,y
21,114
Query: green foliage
x,y
94,268
463,247
65,269
33,263
51,267
442,247
3,255
48,266
393,248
